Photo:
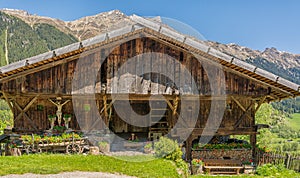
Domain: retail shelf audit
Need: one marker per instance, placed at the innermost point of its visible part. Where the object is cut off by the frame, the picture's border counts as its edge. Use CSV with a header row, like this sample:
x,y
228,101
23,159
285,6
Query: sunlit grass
x,y
55,163
294,122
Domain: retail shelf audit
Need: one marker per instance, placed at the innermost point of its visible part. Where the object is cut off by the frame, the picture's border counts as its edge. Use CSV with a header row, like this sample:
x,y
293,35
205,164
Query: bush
x,y
169,149
274,170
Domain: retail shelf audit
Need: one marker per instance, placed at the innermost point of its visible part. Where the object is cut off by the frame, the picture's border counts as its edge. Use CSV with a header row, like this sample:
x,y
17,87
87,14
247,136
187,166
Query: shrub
x,y
274,170
104,146
169,149
148,146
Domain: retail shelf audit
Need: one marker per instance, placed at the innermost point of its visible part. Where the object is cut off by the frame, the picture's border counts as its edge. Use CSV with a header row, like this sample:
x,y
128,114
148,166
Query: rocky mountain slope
x,y
281,63
82,28
278,62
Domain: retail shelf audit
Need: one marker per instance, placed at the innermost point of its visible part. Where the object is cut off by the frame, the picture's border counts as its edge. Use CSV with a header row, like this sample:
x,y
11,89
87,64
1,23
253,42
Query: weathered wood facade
x,y
97,74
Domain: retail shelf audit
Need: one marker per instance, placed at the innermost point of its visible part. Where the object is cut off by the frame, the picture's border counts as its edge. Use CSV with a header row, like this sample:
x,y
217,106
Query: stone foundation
x,y
245,155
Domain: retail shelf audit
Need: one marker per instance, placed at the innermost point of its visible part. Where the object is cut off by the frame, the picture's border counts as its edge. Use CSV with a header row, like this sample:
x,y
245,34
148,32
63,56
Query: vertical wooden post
x,y
253,144
189,148
105,109
287,160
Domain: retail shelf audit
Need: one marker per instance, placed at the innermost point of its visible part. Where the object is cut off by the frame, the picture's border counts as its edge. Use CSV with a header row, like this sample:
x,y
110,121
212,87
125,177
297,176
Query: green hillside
x,y
18,40
53,37
294,121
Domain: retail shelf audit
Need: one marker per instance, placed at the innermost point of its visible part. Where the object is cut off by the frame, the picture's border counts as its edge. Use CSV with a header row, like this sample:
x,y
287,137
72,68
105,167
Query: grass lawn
x,y
56,163
294,122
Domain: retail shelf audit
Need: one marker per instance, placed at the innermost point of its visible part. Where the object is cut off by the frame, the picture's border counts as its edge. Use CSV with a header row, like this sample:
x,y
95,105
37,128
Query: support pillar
x,y
253,144
189,148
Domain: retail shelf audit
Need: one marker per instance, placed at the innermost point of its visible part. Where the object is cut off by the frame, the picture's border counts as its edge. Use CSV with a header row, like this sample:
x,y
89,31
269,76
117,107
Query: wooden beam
x,y
220,131
20,109
30,120
30,103
238,103
173,108
137,97
242,117
105,109
261,101
175,105
24,110
7,101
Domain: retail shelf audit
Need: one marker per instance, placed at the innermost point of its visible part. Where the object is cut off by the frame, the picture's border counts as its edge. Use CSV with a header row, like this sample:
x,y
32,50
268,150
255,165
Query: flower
x,y
14,144
197,162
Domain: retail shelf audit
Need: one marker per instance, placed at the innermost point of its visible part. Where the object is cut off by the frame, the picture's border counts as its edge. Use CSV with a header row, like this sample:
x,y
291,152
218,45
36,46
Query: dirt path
x,y
76,174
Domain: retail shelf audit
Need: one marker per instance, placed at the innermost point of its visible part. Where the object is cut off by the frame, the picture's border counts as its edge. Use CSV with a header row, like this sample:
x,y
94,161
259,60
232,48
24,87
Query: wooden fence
x,y
291,161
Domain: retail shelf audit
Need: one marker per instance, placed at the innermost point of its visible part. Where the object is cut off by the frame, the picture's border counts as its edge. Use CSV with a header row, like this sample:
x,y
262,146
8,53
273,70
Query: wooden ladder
x,y
158,120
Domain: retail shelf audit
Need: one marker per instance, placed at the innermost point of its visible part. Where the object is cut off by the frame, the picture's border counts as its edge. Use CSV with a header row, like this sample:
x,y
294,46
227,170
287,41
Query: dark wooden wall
x,y
58,79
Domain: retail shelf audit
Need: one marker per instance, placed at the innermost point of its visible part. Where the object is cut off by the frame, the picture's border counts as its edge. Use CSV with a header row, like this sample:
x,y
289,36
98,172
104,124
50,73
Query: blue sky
x,y
254,23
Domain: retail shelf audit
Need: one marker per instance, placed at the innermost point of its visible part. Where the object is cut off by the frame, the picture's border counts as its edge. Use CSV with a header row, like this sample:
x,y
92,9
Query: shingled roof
x,y
281,88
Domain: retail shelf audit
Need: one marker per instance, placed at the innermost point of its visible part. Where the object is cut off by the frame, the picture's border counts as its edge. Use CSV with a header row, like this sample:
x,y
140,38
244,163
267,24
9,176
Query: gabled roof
x,y
282,87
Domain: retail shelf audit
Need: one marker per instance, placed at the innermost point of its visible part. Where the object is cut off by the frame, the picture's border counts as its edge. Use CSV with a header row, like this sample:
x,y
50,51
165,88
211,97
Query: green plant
x,y
51,116
14,143
66,136
169,149
165,147
274,170
27,138
183,167
148,146
37,138
196,162
59,128
102,144
67,115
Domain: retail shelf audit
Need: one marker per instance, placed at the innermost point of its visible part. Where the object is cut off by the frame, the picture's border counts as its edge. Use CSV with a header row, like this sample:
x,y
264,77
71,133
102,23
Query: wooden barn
x,y
173,84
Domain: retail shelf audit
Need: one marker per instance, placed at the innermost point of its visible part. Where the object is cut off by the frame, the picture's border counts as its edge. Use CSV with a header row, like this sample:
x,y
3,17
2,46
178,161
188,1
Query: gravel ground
x,y
125,153
76,174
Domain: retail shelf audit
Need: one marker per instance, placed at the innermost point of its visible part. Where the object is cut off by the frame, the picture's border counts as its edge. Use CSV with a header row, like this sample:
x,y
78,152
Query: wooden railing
x,y
291,161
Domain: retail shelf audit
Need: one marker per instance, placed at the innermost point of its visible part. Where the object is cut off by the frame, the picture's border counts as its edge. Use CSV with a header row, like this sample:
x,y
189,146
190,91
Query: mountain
x,y
283,64
82,28
19,40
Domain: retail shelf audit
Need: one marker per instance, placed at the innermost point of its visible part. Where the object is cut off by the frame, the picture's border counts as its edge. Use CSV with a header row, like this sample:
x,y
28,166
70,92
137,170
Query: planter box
x,y
15,152
197,169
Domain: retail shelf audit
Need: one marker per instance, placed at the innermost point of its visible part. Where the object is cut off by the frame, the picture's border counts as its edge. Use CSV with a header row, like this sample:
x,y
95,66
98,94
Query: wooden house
x,y
190,90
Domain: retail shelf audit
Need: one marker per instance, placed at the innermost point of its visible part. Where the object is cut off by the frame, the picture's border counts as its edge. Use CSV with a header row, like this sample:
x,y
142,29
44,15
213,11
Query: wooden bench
x,y
222,166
